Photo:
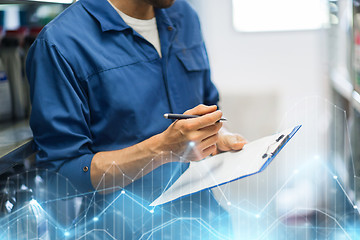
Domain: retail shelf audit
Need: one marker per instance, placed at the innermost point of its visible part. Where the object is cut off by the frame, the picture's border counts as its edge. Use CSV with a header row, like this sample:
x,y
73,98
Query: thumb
x,y
236,142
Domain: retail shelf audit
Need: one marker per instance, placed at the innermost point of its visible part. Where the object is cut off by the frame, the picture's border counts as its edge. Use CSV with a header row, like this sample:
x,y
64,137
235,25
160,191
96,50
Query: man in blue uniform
x,y
102,74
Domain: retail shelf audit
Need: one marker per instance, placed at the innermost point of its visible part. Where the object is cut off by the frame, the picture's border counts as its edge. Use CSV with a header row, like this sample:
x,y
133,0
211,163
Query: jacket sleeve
x,y
60,115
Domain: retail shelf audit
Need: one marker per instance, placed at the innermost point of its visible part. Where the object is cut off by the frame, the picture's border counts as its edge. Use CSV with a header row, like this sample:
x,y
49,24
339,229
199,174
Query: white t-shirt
x,y
146,28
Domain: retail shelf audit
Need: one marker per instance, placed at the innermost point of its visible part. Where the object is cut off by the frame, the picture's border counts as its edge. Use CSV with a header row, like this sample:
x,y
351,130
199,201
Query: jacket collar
x,y
109,19
162,17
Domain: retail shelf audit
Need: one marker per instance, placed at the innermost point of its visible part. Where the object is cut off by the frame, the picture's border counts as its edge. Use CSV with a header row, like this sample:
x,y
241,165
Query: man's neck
x,y
135,8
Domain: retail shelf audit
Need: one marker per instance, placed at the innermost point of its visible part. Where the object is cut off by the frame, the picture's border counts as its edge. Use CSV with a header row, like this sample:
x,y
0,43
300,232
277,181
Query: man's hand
x,y
195,138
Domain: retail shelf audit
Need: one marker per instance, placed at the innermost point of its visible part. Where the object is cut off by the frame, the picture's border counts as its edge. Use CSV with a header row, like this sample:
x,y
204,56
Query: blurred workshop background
x,y
276,64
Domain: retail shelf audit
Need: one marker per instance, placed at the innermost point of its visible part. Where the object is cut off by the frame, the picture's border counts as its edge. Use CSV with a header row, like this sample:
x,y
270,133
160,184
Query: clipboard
x,y
227,167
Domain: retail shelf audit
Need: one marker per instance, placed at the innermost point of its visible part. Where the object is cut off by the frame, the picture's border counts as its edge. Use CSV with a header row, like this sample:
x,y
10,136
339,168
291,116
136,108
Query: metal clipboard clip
x,y
281,145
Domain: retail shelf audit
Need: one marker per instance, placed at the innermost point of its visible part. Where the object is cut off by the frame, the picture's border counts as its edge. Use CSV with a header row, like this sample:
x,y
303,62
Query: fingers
x,y
202,130
206,152
206,147
203,121
201,109
201,154
208,142
201,134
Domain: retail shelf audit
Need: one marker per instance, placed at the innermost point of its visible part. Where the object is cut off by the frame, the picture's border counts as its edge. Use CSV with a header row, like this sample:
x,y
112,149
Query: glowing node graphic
x,y
229,203
96,219
122,191
257,216
335,177
191,144
66,234
33,202
355,207
152,210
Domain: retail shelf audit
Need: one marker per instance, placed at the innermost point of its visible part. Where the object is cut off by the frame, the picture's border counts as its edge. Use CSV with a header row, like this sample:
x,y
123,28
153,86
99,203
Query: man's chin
x,y
161,3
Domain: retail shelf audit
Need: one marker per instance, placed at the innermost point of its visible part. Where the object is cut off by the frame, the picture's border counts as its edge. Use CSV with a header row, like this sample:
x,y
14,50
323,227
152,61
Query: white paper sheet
x,y
222,168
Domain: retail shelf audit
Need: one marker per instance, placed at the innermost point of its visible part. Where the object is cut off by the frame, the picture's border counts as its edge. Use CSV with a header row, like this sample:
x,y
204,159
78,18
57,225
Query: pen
x,y
182,116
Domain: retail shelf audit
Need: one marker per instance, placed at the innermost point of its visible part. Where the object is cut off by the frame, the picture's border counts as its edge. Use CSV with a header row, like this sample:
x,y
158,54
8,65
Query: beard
x,y
160,3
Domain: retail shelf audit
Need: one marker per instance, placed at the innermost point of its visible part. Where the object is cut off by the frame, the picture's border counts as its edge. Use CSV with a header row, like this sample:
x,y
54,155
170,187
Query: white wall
x,y
261,74
267,80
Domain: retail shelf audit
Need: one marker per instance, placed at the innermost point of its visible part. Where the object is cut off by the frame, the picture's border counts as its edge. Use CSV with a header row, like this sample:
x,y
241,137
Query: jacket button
x,y
170,28
85,169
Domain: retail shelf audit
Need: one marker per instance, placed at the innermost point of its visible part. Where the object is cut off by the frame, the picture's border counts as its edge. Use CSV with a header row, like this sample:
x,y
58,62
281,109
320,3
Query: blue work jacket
x,y
97,85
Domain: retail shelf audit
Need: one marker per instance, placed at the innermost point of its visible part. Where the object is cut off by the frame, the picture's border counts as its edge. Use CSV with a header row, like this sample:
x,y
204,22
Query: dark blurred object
x,y
11,56
30,38
12,164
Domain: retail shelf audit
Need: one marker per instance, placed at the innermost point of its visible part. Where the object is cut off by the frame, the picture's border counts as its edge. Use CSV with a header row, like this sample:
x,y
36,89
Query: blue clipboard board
x,y
270,156
273,155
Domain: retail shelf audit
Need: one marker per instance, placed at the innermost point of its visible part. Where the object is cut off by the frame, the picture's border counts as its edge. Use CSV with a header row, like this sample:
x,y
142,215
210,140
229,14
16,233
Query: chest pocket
x,y
194,59
191,75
